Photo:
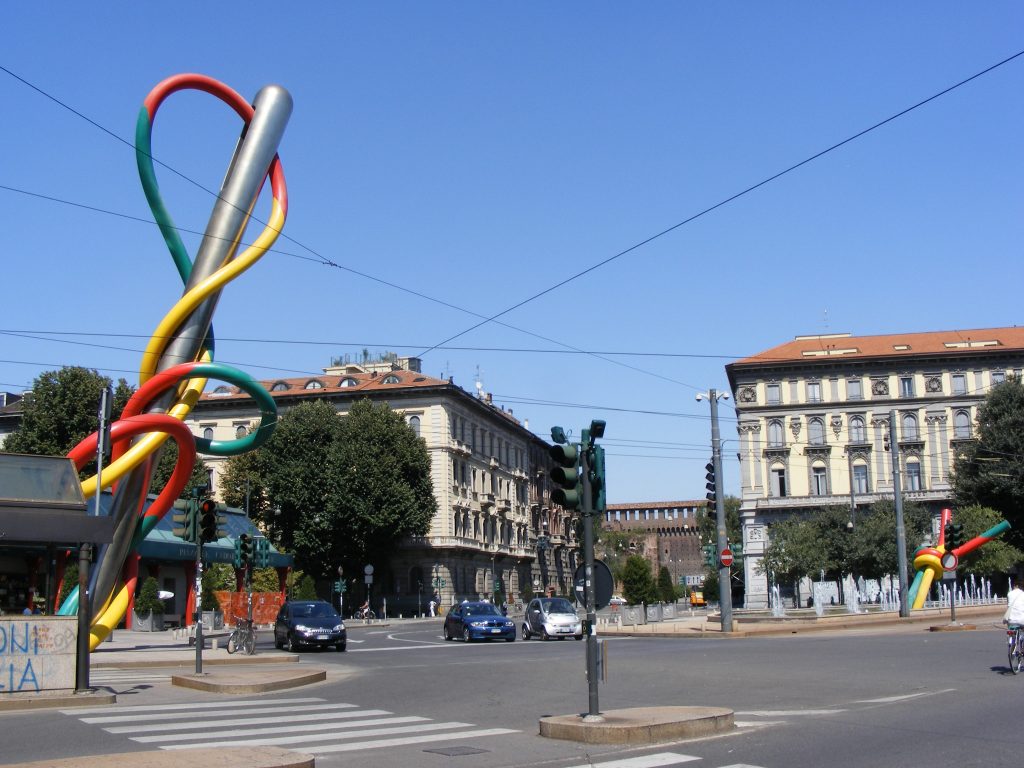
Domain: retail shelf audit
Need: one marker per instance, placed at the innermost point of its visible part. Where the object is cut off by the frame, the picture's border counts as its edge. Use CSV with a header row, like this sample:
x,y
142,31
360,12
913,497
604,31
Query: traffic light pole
x,y
724,571
588,581
199,598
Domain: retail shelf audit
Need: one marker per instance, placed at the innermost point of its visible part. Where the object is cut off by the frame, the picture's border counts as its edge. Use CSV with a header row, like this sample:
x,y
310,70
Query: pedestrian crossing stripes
x,y
309,725
656,760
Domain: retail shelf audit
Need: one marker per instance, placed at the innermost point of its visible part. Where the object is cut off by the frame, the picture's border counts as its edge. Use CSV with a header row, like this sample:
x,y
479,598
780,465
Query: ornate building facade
x,y
813,422
495,529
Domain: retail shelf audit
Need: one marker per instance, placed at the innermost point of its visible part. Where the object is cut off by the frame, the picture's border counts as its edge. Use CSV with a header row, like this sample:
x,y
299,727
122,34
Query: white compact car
x,y
548,617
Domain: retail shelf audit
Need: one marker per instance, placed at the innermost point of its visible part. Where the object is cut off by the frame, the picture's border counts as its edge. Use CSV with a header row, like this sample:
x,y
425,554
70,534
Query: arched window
x,y
348,382
819,480
914,476
241,431
279,386
775,434
860,478
816,432
778,480
414,425
857,431
222,390
961,425
390,379
910,427
314,384
208,433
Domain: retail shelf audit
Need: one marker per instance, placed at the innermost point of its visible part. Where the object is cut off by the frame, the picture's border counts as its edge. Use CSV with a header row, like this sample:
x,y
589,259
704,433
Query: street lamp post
x,y
724,571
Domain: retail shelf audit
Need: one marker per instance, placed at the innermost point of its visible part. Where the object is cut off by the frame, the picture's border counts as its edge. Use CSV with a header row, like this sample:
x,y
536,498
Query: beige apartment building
x,y
489,473
813,422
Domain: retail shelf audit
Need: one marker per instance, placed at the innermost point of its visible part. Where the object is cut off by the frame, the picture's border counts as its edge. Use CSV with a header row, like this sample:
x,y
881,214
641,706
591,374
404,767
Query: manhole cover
x,y
457,751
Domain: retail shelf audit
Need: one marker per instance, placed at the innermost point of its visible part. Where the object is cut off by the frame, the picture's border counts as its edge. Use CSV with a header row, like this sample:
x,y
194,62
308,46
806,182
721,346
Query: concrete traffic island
x,y
231,757
249,681
639,725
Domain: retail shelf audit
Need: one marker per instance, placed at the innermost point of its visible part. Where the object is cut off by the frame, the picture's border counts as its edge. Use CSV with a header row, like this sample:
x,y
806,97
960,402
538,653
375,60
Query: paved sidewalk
x,y
750,624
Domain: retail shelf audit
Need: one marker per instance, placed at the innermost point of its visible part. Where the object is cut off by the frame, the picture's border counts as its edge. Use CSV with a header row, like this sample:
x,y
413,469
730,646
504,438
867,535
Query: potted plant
x,y
149,608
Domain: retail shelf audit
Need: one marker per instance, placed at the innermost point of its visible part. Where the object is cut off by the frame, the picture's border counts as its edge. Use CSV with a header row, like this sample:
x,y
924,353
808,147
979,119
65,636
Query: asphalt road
x,y
405,697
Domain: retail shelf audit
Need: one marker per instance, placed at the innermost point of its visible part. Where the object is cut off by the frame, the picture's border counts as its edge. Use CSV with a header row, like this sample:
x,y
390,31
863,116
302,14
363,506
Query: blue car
x,y
478,621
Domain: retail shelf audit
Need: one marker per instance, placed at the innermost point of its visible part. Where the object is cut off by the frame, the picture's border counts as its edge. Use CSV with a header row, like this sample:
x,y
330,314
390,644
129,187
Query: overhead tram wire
x,y
598,265
322,259
727,200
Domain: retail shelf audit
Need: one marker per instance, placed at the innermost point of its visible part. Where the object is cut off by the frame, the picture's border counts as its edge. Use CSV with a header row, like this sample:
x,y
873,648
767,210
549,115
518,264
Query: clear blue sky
x,y
479,153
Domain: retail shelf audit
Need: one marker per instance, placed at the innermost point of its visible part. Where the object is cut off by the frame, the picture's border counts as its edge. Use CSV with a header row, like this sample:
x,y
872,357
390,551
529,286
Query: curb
x,y
240,684
639,725
18,702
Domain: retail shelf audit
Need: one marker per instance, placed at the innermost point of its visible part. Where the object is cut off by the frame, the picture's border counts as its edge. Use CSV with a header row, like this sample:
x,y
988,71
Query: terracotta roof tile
x,y
364,382
841,346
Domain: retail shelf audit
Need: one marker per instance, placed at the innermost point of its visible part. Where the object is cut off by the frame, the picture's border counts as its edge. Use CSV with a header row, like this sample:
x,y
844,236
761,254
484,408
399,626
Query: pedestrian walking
x,y
432,606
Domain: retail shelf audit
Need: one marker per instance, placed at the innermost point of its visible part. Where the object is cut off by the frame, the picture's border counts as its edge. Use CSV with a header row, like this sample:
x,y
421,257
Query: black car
x,y
478,621
309,623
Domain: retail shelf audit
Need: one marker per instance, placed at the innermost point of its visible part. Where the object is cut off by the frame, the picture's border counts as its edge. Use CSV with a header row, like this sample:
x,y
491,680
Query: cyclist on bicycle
x,y
1014,616
363,609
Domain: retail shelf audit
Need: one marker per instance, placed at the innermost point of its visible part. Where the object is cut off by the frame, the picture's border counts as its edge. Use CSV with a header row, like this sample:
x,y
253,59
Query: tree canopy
x,y
823,541
337,490
990,471
63,409
637,582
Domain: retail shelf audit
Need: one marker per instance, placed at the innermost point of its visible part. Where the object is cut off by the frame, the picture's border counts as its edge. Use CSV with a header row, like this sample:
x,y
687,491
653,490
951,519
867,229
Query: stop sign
x,y
726,557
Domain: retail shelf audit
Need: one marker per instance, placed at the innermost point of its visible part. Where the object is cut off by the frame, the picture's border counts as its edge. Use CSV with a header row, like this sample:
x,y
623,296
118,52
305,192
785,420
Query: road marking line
x,y
256,711
757,723
197,705
644,761
905,697
401,648
305,738
269,720
741,765
332,726
378,743
788,712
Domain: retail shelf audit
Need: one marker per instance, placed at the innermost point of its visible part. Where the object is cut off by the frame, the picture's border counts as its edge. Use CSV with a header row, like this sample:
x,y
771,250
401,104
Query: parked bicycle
x,y
242,637
1015,644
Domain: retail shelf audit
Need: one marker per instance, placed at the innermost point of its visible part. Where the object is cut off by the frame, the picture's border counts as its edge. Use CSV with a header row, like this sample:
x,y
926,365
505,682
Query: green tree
x,y
265,580
637,583
666,589
990,471
995,558
305,589
871,550
337,491
62,409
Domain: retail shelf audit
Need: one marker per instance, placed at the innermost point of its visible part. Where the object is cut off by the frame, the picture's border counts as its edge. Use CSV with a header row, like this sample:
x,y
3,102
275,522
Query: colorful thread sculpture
x,y
178,359
928,560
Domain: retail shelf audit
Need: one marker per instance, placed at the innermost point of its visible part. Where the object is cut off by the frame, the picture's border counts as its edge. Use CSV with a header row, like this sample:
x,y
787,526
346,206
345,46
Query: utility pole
x,y
901,535
724,571
588,581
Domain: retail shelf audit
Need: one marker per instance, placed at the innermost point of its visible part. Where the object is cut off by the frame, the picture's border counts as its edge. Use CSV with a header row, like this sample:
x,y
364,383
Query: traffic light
x,y
597,478
947,536
185,521
710,484
243,551
956,536
262,556
210,523
566,475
